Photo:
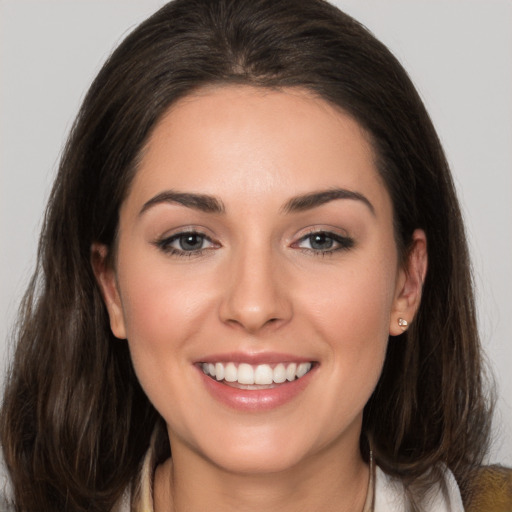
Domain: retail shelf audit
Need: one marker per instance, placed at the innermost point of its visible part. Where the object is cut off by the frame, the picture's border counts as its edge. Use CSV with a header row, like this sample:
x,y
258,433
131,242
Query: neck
x,y
332,481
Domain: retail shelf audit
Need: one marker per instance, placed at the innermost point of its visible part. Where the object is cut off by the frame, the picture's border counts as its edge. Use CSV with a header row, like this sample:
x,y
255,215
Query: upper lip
x,y
254,358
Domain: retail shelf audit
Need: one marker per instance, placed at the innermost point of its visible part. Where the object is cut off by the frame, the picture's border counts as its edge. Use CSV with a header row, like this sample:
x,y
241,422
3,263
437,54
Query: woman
x,y
253,288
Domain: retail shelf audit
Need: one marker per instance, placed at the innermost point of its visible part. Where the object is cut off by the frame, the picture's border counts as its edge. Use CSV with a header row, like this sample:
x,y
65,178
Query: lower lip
x,y
256,399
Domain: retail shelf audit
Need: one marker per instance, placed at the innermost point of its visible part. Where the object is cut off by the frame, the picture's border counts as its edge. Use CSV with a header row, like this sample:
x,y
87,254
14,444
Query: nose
x,y
256,297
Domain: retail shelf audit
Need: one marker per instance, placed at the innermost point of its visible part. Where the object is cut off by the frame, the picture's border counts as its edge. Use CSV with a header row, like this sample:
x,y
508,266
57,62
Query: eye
x,y
185,243
322,242
190,241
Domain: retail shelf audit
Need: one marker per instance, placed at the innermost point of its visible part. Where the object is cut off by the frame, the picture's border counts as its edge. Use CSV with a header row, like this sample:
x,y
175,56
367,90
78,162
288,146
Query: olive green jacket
x,y
491,491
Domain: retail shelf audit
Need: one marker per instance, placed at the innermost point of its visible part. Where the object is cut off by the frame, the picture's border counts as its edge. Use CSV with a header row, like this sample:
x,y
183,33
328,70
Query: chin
x,y
258,462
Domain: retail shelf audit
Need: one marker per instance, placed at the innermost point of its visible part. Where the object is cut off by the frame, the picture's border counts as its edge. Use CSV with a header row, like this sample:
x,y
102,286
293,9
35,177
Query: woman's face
x,y
256,244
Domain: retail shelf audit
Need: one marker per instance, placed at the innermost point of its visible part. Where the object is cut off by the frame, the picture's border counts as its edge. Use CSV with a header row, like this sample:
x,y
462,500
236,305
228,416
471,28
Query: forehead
x,y
234,140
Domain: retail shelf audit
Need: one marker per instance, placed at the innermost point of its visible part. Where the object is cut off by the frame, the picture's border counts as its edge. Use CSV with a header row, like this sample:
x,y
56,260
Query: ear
x,y
409,285
107,281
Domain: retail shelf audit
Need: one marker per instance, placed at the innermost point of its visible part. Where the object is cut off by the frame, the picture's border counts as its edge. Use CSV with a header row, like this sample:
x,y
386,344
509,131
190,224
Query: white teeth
x,y
302,369
245,374
290,371
261,374
279,374
231,373
219,371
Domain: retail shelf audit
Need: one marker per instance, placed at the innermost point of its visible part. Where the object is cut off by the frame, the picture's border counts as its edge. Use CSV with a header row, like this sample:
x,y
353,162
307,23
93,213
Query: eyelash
x,y
165,244
343,243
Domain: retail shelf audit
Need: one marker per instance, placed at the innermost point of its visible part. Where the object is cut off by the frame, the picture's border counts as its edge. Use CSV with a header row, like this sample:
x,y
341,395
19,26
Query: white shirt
x,y
390,495
385,493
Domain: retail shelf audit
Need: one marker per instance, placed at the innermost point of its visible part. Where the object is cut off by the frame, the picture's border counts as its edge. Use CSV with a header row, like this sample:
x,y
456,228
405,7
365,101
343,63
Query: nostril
x,y
253,306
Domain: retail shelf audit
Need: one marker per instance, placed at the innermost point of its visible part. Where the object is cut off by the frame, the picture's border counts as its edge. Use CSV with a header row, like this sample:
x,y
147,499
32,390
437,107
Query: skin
x,y
259,286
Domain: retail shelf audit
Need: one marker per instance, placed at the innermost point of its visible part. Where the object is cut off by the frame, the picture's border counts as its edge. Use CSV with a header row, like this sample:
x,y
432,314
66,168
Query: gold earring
x,y
403,323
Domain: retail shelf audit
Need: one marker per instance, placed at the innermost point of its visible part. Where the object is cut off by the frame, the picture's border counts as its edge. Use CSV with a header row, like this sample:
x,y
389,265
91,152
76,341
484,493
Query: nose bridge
x,y
255,296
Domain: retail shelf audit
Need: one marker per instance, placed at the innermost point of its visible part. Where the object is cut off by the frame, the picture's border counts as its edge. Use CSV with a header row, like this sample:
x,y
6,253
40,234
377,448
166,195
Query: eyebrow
x,y
202,202
210,204
315,199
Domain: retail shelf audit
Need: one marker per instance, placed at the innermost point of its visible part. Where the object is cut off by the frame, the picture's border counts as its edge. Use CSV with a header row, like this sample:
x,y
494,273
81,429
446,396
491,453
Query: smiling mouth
x,y
261,376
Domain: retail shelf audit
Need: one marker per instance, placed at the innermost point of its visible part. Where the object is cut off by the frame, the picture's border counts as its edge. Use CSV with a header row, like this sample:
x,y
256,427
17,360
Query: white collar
x,y
390,494
385,493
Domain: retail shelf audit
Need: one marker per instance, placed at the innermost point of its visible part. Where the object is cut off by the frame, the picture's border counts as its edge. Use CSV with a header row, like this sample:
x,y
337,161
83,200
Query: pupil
x,y
191,242
321,242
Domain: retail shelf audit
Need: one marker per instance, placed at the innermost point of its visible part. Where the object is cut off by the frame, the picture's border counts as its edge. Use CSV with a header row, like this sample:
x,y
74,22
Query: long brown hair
x,y
75,423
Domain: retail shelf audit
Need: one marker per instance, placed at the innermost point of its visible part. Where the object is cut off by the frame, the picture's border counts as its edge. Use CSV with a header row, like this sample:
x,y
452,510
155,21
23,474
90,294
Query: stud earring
x,y
403,323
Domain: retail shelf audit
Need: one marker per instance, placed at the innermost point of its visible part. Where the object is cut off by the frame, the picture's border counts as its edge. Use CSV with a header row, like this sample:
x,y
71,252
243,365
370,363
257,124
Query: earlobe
x,y
409,285
106,279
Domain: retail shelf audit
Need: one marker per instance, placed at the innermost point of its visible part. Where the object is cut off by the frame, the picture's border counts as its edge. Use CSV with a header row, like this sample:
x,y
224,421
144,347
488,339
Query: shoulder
x,y
123,505
6,500
391,496
491,490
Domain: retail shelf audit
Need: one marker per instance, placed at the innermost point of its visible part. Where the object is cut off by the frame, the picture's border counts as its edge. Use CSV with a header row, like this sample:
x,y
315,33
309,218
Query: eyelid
x,y
344,241
164,242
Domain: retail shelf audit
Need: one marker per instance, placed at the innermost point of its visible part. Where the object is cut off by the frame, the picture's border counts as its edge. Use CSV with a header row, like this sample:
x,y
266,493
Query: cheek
x,y
351,311
159,299
164,311
357,301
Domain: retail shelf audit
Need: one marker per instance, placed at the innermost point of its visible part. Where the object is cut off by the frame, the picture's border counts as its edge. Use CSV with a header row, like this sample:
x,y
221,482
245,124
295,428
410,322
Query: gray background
x,y
459,54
